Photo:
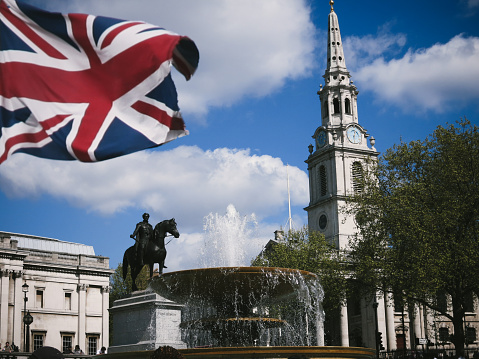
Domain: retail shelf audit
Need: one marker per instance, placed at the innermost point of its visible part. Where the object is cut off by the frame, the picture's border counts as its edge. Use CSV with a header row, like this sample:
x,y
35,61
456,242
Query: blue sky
x,y
251,109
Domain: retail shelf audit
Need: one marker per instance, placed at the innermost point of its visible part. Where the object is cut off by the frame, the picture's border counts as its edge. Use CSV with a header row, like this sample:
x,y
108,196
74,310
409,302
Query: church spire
x,y
338,96
336,162
335,46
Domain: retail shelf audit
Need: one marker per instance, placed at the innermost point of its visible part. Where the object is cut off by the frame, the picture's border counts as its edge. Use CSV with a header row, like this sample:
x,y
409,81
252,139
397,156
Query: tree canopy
x,y
310,251
418,219
121,288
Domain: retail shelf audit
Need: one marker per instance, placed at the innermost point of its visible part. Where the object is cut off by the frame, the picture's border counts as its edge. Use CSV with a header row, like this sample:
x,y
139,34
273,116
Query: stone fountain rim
x,y
331,352
245,269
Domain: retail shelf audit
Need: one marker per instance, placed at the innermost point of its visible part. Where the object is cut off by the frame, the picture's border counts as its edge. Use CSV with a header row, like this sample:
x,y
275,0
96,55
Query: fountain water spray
x,y
227,237
230,305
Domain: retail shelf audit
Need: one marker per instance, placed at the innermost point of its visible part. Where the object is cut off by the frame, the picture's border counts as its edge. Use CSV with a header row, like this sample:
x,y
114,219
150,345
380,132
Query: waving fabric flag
x,y
87,87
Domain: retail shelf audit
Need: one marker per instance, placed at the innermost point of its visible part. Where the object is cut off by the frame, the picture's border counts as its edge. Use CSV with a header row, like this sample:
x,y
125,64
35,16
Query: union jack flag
x,y
77,86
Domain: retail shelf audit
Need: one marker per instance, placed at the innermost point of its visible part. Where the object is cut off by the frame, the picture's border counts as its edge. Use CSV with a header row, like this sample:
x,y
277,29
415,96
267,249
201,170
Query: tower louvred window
x,y
336,105
322,177
357,173
347,106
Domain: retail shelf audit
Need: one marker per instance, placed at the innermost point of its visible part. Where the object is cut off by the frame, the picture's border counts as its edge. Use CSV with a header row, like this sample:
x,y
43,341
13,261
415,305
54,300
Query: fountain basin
x,y
242,306
238,286
258,352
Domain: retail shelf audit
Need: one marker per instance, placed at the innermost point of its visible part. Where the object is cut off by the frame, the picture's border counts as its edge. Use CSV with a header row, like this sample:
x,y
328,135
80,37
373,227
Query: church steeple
x,y
338,96
341,149
336,61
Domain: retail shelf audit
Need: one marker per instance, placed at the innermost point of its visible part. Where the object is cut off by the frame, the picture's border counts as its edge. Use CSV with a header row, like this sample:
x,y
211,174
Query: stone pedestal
x,y
145,321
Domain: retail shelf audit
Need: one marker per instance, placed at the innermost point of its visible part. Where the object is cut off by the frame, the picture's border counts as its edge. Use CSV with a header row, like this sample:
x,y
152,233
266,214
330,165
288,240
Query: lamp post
x,y
25,300
27,319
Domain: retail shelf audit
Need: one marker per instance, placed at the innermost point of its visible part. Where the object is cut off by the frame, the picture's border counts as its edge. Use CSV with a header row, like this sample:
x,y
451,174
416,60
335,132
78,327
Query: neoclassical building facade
x,y
342,147
67,297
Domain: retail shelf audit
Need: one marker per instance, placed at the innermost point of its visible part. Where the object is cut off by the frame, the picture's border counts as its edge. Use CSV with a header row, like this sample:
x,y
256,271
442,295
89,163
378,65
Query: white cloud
x,y
472,3
434,79
247,48
185,182
360,51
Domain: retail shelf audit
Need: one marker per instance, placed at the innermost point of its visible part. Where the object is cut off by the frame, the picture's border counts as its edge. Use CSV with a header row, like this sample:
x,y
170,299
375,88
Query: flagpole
x,y
290,220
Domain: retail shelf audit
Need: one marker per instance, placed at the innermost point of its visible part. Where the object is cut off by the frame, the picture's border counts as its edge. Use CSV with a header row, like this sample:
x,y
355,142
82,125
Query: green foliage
x,y
310,251
418,215
121,288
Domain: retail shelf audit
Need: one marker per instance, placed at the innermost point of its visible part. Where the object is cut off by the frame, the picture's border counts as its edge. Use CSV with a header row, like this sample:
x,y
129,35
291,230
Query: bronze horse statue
x,y
155,251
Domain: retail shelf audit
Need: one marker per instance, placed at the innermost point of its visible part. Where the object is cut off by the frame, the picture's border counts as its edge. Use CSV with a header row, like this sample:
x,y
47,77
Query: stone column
x,y
320,330
5,279
417,324
81,337
382,325
17,309
390,330
344,326
105,295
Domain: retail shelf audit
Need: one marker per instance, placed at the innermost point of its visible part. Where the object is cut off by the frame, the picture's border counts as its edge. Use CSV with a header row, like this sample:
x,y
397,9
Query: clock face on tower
x,y
354,134
321,139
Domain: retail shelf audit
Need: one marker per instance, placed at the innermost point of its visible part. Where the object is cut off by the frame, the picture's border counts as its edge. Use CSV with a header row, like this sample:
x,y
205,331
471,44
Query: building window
x,y
67,344
357,172
68,300
441,302
322,177
443,335
325,109
92,345
470,335
39,298
347,106
38,339
336,105
398,302
469,302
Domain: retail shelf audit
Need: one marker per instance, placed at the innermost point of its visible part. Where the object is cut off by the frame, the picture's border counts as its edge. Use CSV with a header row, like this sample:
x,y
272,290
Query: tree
x,y
309,251
121,288
418,219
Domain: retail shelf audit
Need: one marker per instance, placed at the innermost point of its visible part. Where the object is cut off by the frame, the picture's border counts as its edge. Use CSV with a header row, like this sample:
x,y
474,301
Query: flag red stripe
x,y
52,122
111,36
20,25
174,123
22,138
79,29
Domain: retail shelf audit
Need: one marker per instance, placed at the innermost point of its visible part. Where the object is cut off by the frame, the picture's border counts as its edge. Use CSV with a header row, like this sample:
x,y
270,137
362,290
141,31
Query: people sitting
x,y
77,350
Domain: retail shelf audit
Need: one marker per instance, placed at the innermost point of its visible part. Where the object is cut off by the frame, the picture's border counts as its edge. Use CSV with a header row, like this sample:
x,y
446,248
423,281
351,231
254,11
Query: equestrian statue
x,y
149,247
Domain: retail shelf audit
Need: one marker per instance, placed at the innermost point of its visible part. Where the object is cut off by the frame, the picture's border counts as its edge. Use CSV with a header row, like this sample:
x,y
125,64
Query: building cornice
x,y
334,149
323,201
13,254
57,268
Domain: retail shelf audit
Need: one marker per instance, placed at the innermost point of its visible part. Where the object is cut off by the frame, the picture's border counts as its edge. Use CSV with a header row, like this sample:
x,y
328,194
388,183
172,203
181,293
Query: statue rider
x,y
143,233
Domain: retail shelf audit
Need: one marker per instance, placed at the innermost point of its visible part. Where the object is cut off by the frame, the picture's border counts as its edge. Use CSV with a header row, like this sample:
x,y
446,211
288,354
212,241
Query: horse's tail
x,y
125,265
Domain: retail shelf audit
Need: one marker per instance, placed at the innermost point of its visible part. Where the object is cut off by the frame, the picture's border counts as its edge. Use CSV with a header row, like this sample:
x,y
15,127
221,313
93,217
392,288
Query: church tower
x,y
340,147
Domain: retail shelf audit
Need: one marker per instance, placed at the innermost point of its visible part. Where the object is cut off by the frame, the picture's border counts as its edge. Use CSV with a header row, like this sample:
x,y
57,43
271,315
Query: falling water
x,y
226,238
228,303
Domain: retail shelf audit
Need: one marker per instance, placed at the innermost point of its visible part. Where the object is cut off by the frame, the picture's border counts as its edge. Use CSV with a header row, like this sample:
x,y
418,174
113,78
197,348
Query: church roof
x,y
27,242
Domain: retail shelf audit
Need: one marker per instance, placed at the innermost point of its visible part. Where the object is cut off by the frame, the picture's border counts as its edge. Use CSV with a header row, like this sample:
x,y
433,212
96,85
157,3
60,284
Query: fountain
x,y
236,311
